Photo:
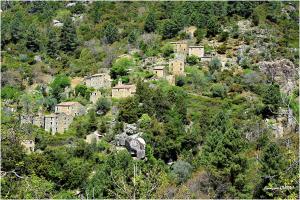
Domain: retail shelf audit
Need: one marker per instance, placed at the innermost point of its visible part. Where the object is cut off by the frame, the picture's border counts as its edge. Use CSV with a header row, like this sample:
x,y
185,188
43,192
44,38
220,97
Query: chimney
x,y
120,81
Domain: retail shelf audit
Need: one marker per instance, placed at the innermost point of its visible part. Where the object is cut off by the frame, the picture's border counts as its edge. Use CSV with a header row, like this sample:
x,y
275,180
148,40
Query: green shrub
x,y
192,60
218,90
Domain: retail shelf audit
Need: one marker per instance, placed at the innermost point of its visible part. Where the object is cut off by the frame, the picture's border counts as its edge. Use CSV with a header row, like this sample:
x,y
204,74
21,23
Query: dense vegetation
x,y
210,136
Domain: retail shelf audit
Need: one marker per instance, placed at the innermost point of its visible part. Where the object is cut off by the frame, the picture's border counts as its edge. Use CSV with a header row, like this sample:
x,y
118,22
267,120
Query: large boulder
x,y
283,72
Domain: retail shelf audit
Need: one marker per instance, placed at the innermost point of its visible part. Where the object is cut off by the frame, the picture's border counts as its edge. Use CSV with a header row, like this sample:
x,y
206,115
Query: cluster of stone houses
x,y
56,122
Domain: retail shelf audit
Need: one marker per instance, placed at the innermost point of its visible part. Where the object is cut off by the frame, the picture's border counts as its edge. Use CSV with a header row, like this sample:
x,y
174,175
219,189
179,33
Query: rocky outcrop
x,y
283,72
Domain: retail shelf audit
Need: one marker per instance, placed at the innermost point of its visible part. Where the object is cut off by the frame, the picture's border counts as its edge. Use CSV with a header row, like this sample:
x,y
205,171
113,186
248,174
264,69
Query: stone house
x,y
196,51
37,120
57,122
95,96
95,136
98,81
176,67
159,71
123,91
170,79
70,108
28,145
180,47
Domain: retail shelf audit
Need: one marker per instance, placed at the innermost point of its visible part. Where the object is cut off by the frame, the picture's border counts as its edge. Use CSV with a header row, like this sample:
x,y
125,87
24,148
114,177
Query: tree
x,y
150,23
132,36
214,65
75,173
218,90
192,60
32,39
95,12
167,50
272,161
58,85
52,46
182,170
110,33
120,67
17,28
169,29
103,106
34,187
223,158
213,26
200,34
84,91
271,97
68,37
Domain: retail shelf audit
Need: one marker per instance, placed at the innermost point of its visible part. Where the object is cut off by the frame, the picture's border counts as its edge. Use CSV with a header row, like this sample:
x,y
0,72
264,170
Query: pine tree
x,y
110,33
32,37
223,158
68,37
150,23
52,44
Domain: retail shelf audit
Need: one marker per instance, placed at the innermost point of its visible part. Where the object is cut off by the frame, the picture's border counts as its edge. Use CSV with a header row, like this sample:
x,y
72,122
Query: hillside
x,y
126,100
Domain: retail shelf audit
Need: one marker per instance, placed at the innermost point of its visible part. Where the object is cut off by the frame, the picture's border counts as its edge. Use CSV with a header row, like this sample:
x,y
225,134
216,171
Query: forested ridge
x,y
226,126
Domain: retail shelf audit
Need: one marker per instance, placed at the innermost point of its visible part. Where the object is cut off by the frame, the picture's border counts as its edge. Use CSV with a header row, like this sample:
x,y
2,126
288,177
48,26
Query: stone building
x,y
176,67
170,79
180,47
123,91
37,120
95,96
196,51
206,58
28,145
93,137
159,71
98,81
57,122
70,108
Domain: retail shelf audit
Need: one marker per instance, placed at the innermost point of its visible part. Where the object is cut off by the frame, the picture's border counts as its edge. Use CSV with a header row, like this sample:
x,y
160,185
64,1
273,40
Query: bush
x,y
215,64
192,60
167,50
103,106
182,171
223,36
10,92
222,49
218,90
180,81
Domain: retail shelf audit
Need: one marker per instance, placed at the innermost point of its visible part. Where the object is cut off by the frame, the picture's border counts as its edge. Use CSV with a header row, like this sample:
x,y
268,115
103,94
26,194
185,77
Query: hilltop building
x,y
95,96
70,108
98,81
28,145
176,67
196,51
122,91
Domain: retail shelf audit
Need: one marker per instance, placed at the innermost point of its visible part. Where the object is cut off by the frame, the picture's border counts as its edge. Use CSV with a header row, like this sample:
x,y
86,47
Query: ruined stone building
x,y
95,96
180,47
159,71
57,122
93,137
37,120
176,67
196,51
70,108
170,79
122,91
28,145
98,81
